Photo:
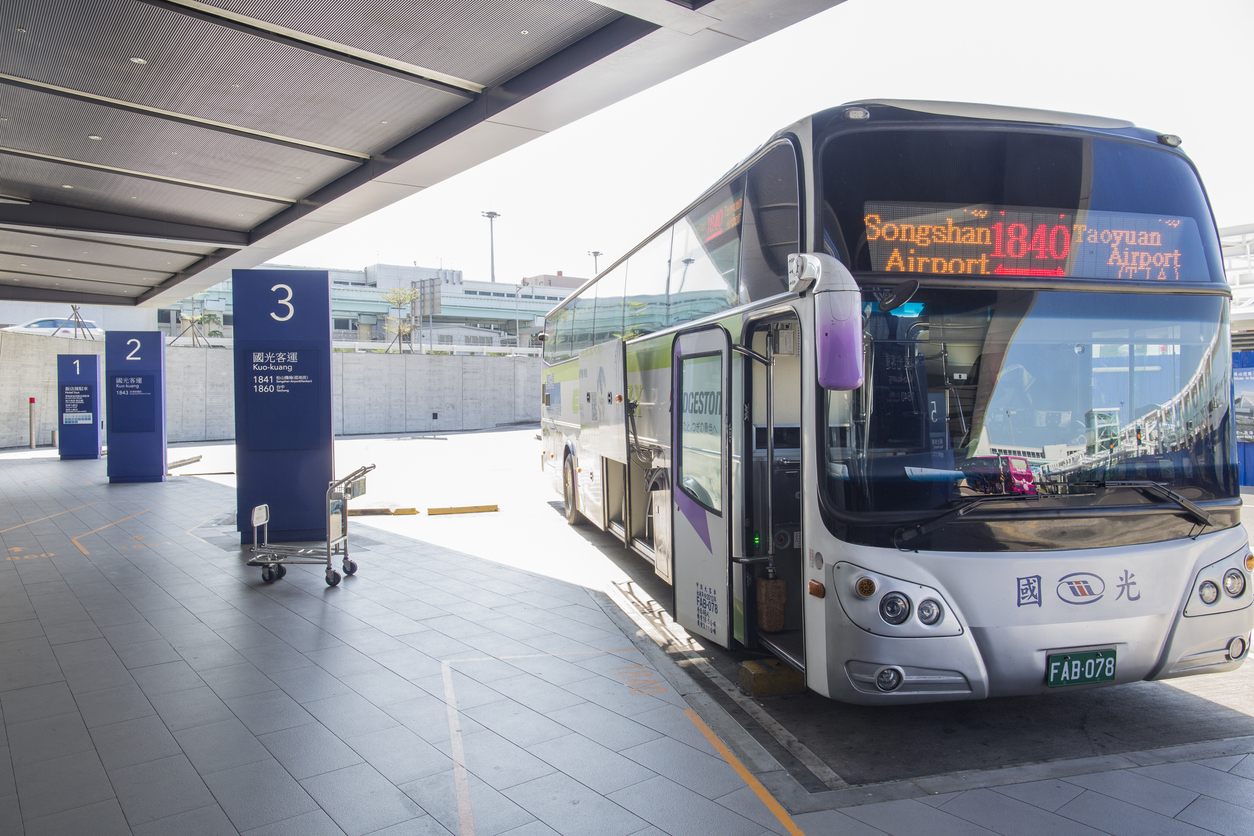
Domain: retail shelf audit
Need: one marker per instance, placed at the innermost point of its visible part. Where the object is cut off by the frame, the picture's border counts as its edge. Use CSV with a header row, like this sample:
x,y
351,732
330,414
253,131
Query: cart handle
x,y
356,474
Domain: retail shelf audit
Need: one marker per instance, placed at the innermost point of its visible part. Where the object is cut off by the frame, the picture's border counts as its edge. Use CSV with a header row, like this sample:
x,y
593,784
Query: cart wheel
x,y
268,574
350,567
333,577
281,571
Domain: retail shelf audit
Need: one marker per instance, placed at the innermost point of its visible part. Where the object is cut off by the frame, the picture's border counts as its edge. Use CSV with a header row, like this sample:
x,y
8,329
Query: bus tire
x,y
569,505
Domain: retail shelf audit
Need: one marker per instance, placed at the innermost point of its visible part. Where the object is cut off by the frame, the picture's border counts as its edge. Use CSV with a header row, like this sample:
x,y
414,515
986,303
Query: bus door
x,y
700,477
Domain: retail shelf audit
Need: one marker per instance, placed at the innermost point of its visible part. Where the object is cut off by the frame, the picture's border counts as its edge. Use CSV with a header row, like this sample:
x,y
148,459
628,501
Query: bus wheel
x,y
568,491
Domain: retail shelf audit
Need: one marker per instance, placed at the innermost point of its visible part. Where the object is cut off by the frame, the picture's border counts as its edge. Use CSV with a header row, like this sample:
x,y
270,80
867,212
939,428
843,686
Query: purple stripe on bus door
x,y
696,515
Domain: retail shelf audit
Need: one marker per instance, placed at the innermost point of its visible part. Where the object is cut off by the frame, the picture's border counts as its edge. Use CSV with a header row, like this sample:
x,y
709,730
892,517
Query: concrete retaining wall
x,y
372,393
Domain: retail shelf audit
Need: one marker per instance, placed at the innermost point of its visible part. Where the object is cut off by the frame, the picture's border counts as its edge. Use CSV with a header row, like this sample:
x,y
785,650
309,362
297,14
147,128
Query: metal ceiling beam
x,y
182,118
55,218
204,263
321,47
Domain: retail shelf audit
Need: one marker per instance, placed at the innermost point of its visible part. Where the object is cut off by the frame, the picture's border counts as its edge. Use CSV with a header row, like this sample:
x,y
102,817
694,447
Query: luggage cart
x,y
273,558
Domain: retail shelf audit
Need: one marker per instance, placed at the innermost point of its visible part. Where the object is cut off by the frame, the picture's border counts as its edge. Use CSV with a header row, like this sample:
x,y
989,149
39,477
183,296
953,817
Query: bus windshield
x,y
1023,392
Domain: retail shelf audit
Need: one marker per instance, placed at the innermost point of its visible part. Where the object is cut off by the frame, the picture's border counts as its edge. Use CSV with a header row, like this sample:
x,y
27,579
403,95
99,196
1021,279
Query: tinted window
x,y
609,310
701,429
648,277
705,257
583,323
772,224
557,341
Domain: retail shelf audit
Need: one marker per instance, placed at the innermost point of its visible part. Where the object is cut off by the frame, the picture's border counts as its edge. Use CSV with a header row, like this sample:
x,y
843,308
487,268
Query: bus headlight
x,y
1208,592
930,612
1234,582
895,607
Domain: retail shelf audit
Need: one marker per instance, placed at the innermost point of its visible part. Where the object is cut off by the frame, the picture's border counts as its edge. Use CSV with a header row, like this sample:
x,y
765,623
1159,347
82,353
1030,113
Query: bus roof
x,y
999,113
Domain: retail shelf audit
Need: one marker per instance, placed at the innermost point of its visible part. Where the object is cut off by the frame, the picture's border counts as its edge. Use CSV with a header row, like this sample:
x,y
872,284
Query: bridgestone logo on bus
x,y
702,403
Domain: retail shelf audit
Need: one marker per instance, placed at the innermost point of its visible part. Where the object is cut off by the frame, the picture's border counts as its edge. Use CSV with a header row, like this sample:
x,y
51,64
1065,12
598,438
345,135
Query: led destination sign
x,y
1025,242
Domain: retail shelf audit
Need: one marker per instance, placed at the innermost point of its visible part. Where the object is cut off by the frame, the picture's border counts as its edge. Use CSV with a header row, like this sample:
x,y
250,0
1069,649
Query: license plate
x,y
1080,667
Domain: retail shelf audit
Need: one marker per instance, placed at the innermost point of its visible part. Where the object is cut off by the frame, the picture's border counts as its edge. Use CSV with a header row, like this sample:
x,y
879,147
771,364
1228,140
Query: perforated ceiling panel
x,y
62,127
44,182
59,283
476,40
50,267
143,256
213,71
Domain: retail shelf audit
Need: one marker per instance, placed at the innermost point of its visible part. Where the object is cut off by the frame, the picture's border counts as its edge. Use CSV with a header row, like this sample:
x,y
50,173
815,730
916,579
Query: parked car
x,y
54,327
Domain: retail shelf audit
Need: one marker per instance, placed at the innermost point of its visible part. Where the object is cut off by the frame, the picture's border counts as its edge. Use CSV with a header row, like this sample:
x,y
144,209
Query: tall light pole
x,y
492,216
595,255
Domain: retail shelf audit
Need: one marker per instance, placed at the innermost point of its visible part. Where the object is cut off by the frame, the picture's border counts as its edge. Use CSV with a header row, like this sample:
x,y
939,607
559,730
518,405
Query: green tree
x,y
400,299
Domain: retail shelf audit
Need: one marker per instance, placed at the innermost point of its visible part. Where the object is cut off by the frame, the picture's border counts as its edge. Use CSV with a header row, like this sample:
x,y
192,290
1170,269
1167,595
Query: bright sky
x,y
608,180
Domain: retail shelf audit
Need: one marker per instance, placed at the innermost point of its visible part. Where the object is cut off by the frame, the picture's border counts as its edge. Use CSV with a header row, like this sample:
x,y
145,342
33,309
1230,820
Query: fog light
x,y
888,679
864,588
1208,592
930,612
1234,582
895,607
1237,648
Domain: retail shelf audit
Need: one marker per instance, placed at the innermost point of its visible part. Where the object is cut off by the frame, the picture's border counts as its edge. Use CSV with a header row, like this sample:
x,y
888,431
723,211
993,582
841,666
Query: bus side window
x,y
705,256
772,224
583,311
609,309
648,277
561,341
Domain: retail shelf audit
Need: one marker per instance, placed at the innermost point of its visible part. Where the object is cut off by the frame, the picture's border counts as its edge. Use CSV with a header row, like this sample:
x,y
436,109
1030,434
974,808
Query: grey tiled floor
x,y
150,683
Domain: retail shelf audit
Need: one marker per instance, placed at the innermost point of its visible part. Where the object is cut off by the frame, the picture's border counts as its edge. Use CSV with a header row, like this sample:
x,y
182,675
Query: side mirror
x,y
837,319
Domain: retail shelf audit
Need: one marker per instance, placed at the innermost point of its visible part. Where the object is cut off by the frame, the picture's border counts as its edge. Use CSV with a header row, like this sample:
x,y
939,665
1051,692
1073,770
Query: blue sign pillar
x,y
1243,402
78,406
283,440
135,383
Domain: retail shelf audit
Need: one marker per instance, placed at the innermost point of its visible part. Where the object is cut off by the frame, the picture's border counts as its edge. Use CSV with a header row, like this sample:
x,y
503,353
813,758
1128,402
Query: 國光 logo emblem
x,y
1081,588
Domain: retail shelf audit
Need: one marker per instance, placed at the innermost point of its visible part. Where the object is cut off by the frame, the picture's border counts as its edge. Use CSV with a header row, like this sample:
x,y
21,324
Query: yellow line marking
x,y
461,781
41,519
83,550
763,794
461,509
31,556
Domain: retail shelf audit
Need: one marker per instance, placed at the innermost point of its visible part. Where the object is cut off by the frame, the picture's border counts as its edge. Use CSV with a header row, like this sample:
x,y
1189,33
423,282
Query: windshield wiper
x,y
902,536
1162,492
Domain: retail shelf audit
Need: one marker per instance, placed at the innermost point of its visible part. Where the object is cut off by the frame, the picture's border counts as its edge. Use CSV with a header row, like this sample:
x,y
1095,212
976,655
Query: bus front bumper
x,y
996,652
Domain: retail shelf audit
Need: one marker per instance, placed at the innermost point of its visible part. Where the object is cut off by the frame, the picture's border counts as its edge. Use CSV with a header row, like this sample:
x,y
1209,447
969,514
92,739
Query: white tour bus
x,y
932,401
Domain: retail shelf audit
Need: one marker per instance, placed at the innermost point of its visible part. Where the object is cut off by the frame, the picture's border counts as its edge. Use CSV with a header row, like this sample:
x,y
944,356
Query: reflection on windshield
x,y
1009,392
